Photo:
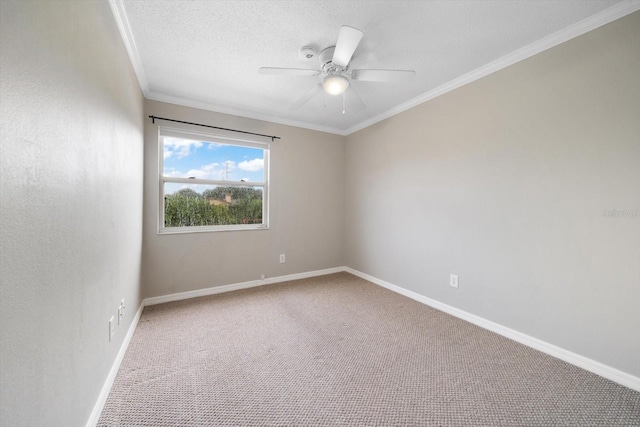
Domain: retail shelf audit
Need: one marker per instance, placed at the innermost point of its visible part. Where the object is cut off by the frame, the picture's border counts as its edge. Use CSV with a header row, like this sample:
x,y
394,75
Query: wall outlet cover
x,y
112,328
453,280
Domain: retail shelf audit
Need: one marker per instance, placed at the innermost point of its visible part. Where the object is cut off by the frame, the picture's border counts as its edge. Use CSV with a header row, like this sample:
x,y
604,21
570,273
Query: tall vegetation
x,y
218,206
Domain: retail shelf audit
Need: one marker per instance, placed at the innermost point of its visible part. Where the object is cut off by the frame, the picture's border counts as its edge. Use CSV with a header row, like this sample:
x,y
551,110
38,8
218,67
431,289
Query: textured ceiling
x,y
206,54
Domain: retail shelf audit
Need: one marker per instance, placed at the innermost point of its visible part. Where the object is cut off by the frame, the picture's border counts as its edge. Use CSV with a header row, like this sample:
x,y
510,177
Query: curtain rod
x,y
154,118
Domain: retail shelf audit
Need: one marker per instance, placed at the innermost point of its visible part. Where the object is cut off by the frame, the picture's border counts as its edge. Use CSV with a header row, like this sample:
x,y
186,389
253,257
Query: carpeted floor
x,y
339,351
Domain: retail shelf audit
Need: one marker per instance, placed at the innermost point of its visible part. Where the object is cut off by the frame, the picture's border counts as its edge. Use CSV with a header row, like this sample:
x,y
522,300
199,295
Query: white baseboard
x,y
106,388
237,286
590,365
597,368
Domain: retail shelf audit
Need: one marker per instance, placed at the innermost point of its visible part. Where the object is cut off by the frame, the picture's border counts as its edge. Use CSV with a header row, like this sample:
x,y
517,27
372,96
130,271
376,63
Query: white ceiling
x,y
206,54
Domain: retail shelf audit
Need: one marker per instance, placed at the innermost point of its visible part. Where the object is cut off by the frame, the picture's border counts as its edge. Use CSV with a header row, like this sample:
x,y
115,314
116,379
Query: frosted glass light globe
x,y
335,84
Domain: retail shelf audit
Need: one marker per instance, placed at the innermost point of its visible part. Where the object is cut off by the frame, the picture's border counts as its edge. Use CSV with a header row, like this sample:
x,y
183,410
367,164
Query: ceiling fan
x,y
337,76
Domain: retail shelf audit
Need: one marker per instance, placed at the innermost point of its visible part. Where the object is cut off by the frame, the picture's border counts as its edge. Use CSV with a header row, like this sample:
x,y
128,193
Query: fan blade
x,y
288,71
307,97
382,75
355,102
348,41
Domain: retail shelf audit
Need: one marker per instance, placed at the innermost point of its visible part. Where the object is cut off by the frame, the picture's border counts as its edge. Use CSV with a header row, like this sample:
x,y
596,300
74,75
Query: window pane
x,y
188,205
191,158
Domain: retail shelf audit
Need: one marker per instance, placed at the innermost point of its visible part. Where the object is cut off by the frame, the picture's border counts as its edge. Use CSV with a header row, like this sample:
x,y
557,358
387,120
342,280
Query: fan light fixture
x,y
335,84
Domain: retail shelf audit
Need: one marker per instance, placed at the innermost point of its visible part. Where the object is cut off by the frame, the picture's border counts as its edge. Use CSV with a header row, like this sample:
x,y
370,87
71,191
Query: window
x,y
211,183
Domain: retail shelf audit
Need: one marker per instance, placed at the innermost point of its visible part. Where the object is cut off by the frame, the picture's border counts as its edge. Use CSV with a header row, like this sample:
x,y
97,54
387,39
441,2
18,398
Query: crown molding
x,y
239,112
579,28
120,16
604,17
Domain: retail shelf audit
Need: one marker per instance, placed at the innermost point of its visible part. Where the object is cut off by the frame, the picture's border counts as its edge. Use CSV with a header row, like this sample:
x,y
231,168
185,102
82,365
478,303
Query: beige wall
x,y
306,212
71,218
504,182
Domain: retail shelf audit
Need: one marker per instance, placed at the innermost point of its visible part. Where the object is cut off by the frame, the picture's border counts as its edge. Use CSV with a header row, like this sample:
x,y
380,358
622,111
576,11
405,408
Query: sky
x,y
187,158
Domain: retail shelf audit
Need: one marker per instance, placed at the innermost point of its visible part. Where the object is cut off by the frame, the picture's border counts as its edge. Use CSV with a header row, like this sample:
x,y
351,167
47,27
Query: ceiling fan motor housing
x,y
328,67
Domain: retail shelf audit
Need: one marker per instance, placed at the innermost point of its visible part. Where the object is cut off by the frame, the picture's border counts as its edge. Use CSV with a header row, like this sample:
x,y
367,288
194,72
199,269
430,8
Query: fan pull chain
x,y
344,103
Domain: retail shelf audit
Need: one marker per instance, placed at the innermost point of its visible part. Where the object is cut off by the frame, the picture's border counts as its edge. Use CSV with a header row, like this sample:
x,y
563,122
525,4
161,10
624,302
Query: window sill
x,y
212,229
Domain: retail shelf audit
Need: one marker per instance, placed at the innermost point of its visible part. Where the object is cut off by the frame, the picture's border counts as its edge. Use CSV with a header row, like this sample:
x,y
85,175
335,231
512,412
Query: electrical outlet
x,y
453,280
112,328
283,258
262,277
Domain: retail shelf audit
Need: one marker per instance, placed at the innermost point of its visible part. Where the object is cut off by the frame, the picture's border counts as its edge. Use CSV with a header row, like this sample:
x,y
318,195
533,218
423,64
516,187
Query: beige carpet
x,y
339,351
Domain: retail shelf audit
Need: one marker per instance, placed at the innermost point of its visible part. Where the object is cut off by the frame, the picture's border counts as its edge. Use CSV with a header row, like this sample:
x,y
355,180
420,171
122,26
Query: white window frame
x,y
219,139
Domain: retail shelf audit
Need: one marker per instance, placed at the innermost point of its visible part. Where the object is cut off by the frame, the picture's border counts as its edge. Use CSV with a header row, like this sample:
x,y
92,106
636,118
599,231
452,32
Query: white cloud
x,y
251,165
208,171
198,173
211,167
173,173
214,171
179,146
